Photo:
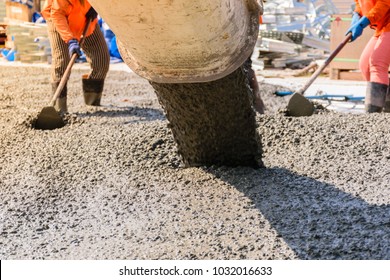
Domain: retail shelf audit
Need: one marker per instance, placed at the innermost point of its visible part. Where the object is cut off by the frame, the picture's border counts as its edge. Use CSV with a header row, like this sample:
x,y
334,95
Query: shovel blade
x,y
49,119
299,106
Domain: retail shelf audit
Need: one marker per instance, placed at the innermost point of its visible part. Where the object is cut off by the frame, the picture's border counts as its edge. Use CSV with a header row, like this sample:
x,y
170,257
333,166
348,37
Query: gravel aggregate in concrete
x,y
110,184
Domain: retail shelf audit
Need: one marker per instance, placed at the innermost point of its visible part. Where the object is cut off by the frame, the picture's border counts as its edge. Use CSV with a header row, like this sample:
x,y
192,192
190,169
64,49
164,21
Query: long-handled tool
x,y
298,105
49,118
330,97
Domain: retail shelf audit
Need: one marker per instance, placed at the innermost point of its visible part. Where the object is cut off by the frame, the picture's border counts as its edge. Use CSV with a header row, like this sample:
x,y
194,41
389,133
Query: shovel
x,y
49,118
298,105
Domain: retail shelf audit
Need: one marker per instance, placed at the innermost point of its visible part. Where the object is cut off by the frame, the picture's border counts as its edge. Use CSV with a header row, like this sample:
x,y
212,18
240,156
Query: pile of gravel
x,y
110,184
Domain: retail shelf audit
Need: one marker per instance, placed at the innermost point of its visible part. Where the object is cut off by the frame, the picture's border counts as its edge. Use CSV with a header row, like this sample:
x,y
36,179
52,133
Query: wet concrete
x,y
213,123
110,184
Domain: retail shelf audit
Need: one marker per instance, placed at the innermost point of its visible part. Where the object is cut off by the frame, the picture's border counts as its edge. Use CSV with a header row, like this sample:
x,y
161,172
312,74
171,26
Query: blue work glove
x,y
357,29
74,47
91,14
355,18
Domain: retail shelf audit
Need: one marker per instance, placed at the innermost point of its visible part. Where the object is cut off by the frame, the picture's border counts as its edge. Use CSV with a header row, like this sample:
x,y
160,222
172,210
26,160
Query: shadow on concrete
x,y
317,220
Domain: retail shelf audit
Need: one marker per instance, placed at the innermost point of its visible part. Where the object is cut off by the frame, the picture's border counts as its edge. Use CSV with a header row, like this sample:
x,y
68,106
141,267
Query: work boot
x,y
375,97
92,90
61,102
387,102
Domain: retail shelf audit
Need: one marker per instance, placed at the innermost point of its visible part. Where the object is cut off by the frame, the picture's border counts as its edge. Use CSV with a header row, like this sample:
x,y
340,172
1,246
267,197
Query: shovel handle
x,y
326,63
66,75
64,80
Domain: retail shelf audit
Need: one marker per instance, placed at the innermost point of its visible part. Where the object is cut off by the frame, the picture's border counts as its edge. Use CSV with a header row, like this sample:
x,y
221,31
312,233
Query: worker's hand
x,y
357,29
91,14
355,18
74,47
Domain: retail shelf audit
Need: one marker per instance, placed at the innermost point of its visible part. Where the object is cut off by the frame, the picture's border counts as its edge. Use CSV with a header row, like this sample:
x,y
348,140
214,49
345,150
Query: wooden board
x,y
349,56
350,75
18,11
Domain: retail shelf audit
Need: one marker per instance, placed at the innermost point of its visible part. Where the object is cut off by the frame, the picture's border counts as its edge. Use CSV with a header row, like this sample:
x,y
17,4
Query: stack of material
x,y
30,41
279,49
18,12
2,10
311,17
344,6
296,32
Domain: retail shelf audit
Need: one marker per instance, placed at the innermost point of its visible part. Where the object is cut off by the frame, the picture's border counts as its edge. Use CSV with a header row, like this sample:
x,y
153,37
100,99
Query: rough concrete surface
x,y
110,184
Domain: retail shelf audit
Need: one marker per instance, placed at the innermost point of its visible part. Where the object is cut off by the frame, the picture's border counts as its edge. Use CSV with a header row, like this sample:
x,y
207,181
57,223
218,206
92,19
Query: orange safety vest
x,y
378,13
68,16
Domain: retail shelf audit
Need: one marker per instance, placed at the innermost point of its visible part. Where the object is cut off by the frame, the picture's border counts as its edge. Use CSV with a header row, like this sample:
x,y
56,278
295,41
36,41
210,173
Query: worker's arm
x,y
357,13
360,21
356,29
261,6
358,9
378,12
59,11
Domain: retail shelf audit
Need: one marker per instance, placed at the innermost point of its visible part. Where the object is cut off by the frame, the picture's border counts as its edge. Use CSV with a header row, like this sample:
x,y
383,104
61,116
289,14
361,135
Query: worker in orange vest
x,y
375,59
66,21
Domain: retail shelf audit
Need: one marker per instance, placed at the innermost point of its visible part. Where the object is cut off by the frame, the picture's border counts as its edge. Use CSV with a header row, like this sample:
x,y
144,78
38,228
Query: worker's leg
x,y
380,61
364,62
60,60
258,102
378,65
254,85
96,50
387,103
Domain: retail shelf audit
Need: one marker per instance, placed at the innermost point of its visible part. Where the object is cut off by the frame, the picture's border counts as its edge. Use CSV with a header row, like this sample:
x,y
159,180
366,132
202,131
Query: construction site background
x,y
292,35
